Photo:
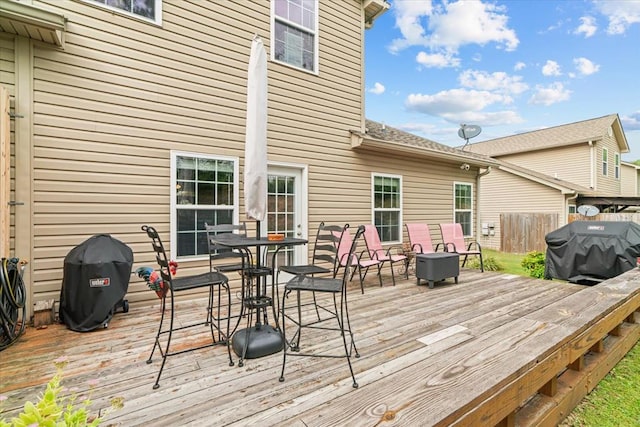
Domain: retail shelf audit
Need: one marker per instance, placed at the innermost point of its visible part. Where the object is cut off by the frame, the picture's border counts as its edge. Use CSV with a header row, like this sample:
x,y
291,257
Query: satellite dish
x,y
588,210
467,132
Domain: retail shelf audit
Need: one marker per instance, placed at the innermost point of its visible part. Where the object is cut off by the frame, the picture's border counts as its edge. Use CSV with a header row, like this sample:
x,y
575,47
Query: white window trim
x,y
616,166
156,21
172,197
316,37
472,210
401,208
604,169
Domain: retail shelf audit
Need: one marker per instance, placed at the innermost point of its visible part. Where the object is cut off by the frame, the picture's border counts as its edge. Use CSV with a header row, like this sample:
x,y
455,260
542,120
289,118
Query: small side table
x,y
437,266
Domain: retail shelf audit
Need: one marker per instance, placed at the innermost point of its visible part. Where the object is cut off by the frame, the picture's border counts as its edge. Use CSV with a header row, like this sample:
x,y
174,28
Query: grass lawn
x,y
616,399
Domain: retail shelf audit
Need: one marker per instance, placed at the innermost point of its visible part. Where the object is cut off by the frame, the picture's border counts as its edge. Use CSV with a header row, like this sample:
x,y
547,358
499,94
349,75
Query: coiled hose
x,y
13,309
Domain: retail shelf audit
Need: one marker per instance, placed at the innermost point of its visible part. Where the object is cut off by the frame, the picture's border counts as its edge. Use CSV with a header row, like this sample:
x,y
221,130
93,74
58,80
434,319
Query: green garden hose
x,y
13,309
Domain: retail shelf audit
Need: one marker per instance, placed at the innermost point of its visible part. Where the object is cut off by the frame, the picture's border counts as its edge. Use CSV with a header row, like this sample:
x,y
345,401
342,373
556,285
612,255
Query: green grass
x,y
615,401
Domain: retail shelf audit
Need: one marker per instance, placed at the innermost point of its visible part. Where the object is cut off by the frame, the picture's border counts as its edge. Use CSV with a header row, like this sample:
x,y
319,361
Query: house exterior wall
x,y
569,163
629,181
609,184
111,106
503,192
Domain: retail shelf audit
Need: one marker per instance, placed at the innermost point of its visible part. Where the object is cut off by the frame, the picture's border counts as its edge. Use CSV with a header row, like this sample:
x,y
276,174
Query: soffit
x,y
29,21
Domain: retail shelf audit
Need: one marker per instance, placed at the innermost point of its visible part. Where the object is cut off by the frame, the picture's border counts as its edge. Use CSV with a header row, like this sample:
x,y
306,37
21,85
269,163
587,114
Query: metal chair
x,y
209,280
377,252
357,262
420,238
453,240
337,287
222,258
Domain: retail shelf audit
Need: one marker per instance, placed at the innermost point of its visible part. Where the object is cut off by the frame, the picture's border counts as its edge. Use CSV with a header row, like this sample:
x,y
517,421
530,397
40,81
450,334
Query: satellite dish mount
x,y
467,132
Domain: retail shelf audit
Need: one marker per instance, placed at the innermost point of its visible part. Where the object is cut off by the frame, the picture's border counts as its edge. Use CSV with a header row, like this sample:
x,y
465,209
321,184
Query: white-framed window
x,y
616,165
463,206
148,10
204,188
605,162
386,194
294,35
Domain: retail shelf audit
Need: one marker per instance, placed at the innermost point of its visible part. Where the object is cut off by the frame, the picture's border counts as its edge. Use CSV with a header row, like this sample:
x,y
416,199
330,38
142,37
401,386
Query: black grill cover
x,y
596,250
96,278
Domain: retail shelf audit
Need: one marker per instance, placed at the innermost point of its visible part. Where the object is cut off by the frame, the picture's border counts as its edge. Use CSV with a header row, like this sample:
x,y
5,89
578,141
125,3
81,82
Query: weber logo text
x,y
99,283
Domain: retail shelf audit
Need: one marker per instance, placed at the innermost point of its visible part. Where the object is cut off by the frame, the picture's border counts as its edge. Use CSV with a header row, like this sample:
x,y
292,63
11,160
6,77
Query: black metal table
x,y
260,339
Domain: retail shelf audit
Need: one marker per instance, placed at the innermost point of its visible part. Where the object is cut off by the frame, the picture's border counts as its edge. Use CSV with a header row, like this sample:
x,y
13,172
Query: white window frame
x,y
156,20
314,32
470,211
173,198
399,209
605,161
616,165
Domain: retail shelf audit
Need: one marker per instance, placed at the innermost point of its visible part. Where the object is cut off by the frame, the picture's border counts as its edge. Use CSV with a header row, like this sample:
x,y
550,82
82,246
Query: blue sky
x,y
509,66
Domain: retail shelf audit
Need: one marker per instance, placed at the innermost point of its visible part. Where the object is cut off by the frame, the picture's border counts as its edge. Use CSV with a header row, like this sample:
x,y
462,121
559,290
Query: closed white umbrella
x,y
255,154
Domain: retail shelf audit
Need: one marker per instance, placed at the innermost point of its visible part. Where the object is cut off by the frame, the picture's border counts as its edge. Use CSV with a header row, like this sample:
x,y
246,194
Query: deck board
x,y
469,353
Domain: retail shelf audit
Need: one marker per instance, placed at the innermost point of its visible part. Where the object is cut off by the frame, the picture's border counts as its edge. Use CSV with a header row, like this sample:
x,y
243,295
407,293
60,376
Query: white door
x,y
286,211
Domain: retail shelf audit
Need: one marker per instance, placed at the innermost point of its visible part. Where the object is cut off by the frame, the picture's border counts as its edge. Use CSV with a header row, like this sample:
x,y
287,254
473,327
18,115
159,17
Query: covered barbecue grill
x,y
588,252
95,281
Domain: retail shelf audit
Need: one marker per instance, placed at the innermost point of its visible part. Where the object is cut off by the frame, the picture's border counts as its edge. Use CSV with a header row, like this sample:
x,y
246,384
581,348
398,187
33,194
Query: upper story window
x,y
203,189
616,165
387,207
463,207
149,10
295,33
605,161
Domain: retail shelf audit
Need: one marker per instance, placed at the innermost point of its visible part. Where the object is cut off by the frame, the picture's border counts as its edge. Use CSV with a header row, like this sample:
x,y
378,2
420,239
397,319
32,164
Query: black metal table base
x,y
256,341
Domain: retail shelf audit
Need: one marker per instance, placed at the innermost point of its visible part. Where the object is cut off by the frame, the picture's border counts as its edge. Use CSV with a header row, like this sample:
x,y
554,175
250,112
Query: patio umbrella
x,y
255,154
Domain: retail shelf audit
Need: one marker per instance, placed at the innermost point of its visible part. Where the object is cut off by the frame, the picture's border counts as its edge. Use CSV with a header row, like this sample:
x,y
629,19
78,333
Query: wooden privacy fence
x,y
619,216
524,232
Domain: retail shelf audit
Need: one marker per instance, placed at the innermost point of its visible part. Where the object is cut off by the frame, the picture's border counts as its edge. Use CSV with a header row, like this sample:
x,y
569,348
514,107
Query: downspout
x,y
478,176
592,159
566,208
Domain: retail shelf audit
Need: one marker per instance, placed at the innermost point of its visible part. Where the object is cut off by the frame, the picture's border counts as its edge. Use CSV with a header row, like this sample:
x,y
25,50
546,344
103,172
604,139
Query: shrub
x,y
533,263
490,263
54,409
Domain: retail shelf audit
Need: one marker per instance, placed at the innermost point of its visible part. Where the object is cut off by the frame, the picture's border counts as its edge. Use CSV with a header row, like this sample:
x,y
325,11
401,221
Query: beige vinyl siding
x,y
7,80
503,192
608,185
568,163
629,180
123,93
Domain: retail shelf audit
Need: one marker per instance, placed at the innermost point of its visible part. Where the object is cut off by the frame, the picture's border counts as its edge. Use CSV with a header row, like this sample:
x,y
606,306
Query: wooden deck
x,y
494,349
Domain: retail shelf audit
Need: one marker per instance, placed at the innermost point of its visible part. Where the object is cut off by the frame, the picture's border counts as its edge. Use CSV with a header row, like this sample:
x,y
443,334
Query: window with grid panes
x,y
387,207
149,10
294,33
205,190
463,207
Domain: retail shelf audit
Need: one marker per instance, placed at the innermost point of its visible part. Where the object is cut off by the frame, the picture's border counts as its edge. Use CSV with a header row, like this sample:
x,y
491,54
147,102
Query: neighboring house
x,y
553,171
128,117
630,179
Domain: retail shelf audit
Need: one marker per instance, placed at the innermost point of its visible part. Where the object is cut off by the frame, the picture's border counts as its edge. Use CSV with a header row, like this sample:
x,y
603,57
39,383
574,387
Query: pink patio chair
x,y
378,253
420,238
354,261
453,240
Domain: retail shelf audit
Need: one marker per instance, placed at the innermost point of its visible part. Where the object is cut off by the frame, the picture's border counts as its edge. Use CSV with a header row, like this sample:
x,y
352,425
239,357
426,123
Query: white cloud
x,y
631,122
455,101
587,27
451,26
585,67
551,94
437,60
621,14
377,89
499,82
519,66
551,68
